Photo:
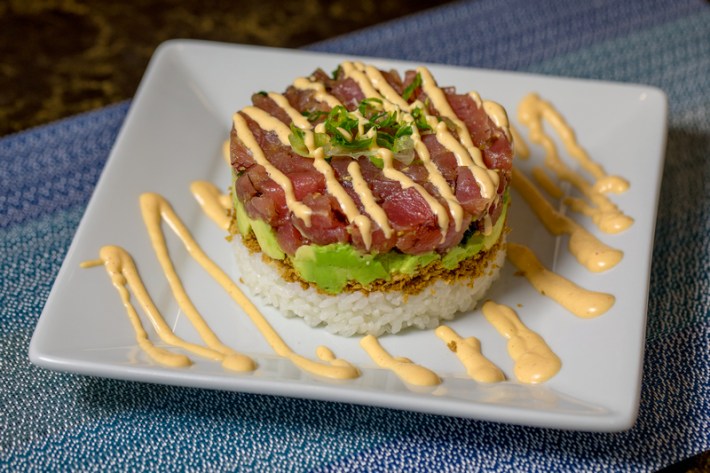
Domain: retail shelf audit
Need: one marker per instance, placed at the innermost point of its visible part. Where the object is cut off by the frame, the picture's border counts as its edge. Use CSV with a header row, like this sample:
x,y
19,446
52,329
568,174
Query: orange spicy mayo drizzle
x,y
406,182
520,147
605,214
299,209
123,272
534,361
465,152
299,120
321,95
373,84
589,251
496,112
226,153
435,176
468,351
270,123
122,269
368,199
155,207
581,302
407,371
152,212
213,202
351,211
543,179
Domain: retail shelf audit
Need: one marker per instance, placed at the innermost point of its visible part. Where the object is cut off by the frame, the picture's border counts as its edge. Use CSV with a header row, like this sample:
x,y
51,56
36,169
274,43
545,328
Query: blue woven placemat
x,y
51,421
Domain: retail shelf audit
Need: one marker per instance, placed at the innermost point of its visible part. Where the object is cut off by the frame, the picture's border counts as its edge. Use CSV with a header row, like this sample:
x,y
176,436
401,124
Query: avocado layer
x,y
332,266
262,231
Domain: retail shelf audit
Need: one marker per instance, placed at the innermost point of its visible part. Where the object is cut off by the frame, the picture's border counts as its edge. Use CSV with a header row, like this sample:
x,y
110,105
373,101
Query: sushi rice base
x,y
358,313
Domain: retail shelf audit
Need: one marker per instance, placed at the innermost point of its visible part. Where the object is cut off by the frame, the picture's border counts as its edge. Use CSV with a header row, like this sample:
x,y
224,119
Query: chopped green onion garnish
x,y
297,142
347,134
420,120
416,83
314,115
377,161
335,73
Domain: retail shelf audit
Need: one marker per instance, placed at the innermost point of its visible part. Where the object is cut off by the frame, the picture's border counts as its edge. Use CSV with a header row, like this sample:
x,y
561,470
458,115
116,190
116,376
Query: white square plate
x,y
173,135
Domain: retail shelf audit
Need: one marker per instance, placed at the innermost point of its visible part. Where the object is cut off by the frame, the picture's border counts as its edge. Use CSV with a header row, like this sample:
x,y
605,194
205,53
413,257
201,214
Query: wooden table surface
x,y
59,58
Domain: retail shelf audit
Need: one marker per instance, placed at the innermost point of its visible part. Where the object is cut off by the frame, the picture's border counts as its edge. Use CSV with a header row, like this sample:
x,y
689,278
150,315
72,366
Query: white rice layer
x,y
352,313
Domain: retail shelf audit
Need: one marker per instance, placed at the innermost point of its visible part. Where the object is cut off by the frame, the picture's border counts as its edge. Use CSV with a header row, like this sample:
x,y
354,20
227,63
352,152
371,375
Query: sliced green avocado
x,y
476,243
460,252
267,239
262,231
243,220
332,266
492,238
405,264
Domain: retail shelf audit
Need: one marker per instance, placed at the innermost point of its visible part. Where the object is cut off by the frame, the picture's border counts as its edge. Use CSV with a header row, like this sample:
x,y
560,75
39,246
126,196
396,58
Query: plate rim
x,y
39,356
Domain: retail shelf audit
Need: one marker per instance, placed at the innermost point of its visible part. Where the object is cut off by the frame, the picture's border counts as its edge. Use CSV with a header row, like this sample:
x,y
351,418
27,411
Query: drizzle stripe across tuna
x,y
367,158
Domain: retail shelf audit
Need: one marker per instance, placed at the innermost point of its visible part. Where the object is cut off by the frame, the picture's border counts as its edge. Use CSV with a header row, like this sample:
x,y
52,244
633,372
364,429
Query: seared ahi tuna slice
x,y
415,190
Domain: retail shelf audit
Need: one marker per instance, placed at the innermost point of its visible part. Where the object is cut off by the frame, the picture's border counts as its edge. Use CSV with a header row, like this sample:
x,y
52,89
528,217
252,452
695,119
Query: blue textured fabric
x,y
54,421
